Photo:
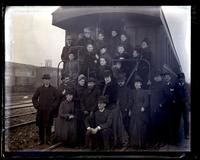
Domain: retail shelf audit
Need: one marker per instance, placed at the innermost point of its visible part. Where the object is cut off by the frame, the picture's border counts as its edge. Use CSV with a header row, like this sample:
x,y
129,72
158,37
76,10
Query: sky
x,y
31,38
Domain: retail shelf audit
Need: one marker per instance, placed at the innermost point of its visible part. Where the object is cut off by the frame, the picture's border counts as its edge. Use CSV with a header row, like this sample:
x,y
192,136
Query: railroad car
x,y
137,22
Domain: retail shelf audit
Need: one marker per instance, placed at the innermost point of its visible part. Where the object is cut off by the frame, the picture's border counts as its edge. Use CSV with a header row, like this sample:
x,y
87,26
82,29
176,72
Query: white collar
x,y
102,110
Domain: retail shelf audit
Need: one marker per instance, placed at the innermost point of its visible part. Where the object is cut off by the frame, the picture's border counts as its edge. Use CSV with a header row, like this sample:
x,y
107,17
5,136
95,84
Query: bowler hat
x,y
121,77
91,79
102,45
181,75
46,76
164,73
107,73
103,99
146,40
137,78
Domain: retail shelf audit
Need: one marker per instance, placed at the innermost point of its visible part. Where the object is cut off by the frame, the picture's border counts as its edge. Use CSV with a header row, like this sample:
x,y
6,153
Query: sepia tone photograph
x,y
97,79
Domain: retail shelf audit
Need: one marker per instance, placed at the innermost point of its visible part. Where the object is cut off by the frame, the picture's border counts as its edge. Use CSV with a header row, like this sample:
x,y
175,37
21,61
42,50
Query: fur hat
x,y
46,76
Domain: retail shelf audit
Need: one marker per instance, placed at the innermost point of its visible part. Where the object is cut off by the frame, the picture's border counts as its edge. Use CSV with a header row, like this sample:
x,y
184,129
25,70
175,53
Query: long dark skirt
x,y
65,130
138,130
119,131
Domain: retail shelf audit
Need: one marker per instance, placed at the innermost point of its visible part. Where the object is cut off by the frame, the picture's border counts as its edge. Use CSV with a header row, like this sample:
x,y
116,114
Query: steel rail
x,y
21,124
19,115
52,147
20,106
18,103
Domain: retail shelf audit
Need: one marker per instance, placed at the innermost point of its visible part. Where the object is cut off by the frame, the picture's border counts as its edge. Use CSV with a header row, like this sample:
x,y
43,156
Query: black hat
x,y
115,28
64,76
101,31
46,76
103,99
181,75
69,37
91,79
81,76
121,77
103,45
157,72
137,48
164,73
107,73
70,88
123,33
70,91
146,40
138,79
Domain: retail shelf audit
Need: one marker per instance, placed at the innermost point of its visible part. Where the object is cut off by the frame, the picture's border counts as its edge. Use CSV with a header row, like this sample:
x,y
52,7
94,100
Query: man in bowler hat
x,y
45,100
99,134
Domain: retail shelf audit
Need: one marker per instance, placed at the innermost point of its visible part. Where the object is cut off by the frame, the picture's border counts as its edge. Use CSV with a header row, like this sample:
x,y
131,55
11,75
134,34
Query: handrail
x,y
78,47
58,73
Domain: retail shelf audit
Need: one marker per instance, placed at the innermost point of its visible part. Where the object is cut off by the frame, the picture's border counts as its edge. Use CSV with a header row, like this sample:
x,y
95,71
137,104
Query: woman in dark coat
x,y
79,97
66,121
139,117
91,61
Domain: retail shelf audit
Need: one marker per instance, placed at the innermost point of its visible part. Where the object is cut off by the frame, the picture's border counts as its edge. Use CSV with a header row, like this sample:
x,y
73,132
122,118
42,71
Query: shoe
x,y
41,143
48,142
124,148
162,145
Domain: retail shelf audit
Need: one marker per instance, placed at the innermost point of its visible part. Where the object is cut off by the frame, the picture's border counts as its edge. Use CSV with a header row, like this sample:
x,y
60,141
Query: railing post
x,y
58,71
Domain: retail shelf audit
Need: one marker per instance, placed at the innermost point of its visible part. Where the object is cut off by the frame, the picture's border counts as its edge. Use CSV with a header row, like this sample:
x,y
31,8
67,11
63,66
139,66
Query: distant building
x,y
48,63
26,78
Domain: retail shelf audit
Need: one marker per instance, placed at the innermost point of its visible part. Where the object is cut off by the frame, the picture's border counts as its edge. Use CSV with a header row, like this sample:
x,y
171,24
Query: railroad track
x,y
22,106
20,125
17,98
52,147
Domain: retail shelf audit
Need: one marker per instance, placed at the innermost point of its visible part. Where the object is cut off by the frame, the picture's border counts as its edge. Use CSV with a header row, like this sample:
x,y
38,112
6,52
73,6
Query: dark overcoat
x,y
90,100
119,132
143,70
45,100
182,101
65,127
170,112
113,45
103,136
111,92
79,98
72,69
91,63
85,41
99,44
127,46
139,120
61,88
101,71
125,101
146,53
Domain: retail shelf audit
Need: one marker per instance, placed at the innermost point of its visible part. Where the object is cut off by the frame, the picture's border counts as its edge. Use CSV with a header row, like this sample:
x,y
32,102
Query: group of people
x,y
101,105
115,52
